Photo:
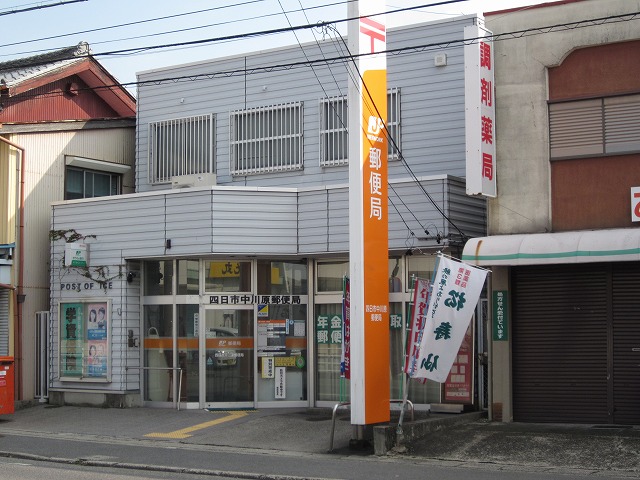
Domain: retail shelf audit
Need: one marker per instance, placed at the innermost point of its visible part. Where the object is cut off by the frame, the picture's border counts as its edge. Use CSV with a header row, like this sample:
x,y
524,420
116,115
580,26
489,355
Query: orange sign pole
x,y
368,215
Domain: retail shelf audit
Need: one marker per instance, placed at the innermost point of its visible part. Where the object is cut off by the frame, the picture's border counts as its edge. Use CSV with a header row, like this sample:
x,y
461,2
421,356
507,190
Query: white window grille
x,y
266,139
334,138
334,141
393,123
183,146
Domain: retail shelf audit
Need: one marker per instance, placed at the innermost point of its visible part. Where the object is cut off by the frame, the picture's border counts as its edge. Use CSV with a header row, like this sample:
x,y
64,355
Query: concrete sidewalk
x,y
459,438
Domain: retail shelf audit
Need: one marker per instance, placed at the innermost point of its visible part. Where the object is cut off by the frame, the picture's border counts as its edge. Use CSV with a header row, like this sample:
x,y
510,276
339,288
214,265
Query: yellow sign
x,y
224,269
285,361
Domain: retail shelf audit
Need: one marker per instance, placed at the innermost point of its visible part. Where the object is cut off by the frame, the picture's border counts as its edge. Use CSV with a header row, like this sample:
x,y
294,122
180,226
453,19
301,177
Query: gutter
x,y
18,292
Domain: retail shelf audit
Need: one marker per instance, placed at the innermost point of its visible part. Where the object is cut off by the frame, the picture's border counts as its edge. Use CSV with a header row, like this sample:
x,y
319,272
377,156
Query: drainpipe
x,y
19,290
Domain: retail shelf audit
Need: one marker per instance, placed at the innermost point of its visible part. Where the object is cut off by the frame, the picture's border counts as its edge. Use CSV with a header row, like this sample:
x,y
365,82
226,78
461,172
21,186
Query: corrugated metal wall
x,y
432,104
48,103
9,164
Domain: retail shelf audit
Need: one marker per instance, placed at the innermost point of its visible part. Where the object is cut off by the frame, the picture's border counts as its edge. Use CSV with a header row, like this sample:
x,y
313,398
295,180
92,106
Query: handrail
x,y
346,404
164,368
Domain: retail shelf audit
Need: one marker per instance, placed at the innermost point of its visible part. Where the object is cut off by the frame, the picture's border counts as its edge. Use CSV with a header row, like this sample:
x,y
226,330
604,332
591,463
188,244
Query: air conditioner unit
x,y
197,180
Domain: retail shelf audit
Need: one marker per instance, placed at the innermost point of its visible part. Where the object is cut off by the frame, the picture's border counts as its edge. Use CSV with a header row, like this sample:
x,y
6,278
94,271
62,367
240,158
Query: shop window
x,y
330,276
266,139
83,183
158,277
282,345
183,146
188,277
158,352
227,276
84,328
395,275
282,278
188,323
331,386
419,266
397,329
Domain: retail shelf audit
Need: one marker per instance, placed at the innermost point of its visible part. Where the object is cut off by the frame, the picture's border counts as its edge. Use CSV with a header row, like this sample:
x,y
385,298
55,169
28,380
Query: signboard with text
x,y
480,111
635,204
368,214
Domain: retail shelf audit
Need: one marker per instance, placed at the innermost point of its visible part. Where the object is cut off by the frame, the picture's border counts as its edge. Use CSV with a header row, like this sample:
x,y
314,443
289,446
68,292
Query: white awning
x,y
587,246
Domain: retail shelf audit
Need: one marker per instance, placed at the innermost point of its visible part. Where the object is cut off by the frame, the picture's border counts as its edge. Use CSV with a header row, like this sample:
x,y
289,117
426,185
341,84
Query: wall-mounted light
x,y
130,277
131,340
167,243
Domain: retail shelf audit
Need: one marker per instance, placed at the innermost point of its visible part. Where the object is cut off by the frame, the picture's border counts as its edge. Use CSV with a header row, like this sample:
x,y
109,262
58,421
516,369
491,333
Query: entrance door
x,y
229,360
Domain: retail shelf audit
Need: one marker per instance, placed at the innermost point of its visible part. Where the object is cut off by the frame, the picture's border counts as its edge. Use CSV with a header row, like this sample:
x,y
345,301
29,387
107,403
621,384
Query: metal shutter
x,y
626,338
560,344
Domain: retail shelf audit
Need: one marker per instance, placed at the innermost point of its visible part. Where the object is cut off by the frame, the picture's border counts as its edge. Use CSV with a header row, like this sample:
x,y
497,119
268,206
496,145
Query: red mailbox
x,y
6,385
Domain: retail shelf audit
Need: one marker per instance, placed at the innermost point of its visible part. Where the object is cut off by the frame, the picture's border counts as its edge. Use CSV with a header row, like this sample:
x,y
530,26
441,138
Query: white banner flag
x,y
455,293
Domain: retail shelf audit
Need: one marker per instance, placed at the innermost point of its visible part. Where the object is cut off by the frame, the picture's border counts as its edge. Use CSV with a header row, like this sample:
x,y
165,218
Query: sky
x,y
110,26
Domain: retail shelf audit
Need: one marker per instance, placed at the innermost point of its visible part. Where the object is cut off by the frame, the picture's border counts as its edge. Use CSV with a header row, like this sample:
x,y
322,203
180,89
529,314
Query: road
x,y
25,455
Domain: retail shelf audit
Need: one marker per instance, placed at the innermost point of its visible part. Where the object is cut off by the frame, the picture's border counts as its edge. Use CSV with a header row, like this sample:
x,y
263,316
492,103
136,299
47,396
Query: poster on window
x,y
459,386
84,340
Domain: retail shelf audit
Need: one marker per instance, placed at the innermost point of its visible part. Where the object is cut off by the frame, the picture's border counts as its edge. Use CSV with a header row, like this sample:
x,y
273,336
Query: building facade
x,y
221,277
61,136
564,244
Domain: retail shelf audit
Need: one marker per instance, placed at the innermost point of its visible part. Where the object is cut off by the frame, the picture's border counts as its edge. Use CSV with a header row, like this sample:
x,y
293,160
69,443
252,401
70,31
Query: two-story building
x,y
67,130
219,282
564,244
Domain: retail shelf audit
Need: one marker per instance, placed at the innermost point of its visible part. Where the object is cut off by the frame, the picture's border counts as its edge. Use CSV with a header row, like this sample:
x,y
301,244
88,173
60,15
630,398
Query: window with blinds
x,y
183,146
266,139
334,136
603,126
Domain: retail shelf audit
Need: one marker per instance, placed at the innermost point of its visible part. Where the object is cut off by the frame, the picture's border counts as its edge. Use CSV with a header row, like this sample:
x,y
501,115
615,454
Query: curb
x,y
152,468
387,438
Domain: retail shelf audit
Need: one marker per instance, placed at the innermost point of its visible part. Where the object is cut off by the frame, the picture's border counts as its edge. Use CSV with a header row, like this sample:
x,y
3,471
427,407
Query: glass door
x,y
229,360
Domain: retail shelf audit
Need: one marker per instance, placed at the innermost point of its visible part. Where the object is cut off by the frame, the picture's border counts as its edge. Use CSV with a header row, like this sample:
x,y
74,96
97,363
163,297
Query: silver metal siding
x,y
188,222
432,103
313,221
254,222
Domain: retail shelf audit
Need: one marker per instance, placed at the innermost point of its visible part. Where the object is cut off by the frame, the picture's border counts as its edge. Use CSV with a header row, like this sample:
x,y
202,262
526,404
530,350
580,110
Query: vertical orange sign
x,y
368,218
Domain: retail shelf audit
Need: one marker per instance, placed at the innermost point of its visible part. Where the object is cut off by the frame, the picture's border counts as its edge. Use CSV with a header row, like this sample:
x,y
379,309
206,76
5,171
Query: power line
x,y
256,33
342,59
40,7
398,51
128,24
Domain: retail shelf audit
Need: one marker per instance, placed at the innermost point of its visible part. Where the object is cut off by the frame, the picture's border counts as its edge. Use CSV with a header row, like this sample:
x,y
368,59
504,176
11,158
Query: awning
x,y
587,246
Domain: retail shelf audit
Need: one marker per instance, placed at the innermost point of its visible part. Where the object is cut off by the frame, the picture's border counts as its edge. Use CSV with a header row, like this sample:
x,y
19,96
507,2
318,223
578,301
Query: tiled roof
x,y
16,71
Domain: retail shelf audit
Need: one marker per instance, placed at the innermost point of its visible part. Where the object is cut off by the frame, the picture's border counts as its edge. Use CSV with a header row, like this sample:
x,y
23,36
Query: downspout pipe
x,y
18,292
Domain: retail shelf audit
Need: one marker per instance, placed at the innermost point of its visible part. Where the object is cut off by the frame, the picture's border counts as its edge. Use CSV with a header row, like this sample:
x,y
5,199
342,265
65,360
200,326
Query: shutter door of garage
x,y
560,341
626,343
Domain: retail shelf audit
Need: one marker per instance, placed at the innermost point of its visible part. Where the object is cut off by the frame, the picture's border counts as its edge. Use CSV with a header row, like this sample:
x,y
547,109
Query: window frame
x,y
393,124
185,158
256,152
112,177
594,127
